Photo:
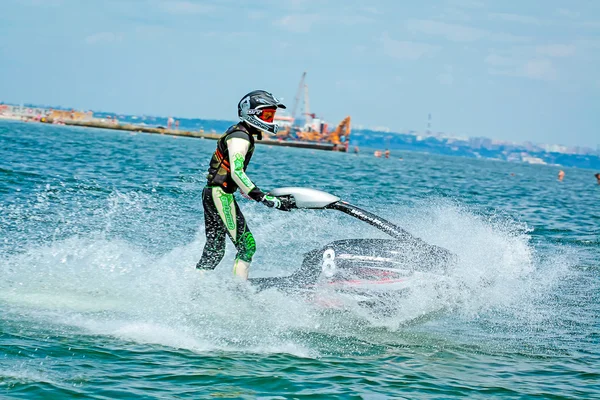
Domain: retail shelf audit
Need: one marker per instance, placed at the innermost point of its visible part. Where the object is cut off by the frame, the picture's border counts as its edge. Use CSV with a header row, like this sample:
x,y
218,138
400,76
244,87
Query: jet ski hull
x,y
365,271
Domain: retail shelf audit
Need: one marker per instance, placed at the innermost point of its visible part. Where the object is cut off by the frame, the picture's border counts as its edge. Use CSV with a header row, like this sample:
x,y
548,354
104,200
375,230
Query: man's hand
x,y
244,195
287,203
281,203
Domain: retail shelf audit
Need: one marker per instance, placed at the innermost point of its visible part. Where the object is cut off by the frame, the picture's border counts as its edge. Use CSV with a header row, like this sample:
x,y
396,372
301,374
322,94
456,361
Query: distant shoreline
x,y
396,142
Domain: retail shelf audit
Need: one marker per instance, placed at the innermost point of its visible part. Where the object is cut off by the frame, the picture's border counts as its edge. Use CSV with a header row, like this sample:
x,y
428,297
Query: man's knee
x,y
246,247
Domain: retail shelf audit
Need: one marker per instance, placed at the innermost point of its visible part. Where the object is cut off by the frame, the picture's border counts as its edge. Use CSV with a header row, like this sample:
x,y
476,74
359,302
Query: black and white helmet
x,y
258,108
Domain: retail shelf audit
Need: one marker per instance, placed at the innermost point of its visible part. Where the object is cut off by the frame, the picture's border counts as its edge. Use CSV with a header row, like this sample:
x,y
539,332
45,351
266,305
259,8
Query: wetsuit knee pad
x,y
246,247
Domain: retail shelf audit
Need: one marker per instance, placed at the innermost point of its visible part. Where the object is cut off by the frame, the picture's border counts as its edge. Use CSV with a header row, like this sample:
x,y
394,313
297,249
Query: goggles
x,y
267,114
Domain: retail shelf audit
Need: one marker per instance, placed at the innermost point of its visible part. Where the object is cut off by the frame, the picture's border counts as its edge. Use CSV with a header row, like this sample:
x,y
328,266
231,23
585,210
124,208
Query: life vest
x,y
219,170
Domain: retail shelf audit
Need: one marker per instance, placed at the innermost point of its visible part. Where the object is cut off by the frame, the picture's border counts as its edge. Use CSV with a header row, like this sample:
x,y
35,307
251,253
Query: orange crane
x,y
343,130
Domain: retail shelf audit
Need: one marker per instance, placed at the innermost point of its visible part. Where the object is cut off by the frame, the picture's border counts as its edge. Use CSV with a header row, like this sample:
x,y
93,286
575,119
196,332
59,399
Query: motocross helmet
x,y
258,108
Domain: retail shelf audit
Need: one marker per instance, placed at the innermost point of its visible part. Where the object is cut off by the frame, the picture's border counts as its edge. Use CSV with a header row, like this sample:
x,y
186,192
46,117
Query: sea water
x,y
100,231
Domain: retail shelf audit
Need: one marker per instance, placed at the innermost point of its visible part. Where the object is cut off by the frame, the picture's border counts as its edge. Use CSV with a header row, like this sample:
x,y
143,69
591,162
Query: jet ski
x,y
363,271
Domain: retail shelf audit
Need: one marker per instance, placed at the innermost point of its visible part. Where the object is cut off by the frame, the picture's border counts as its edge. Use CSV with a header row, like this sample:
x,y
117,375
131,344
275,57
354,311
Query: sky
x,y
511,70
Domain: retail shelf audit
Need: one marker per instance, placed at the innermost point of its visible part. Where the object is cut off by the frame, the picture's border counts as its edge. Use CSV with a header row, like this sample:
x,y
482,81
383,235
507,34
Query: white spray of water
x,y
110,287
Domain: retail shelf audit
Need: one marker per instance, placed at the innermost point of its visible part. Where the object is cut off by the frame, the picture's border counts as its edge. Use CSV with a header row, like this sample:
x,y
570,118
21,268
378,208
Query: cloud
x,y
256,15
299,23
150,31
523,19
359,50
349,84
446,77
226,35
461,33
351,19
297,4
371,10
303,23
453,14
591,24
509,38
405,49
282,45
563,12
538,69
556,50
467,3
452,32
588,44
185,7
104,37
497,60
42,3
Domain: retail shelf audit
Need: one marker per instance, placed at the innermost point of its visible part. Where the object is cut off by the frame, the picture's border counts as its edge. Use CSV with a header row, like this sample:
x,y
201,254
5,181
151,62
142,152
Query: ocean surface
x,y
100,230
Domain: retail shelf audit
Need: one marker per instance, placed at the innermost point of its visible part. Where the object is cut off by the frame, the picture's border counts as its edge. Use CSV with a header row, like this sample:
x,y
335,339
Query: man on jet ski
x,y
226,173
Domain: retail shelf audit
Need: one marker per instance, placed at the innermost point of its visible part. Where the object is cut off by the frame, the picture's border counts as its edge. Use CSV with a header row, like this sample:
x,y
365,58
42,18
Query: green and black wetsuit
x,y
222,214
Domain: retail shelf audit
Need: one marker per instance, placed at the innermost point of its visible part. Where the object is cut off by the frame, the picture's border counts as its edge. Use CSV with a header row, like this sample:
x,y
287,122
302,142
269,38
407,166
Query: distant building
x,y
24,112
70,115
480,142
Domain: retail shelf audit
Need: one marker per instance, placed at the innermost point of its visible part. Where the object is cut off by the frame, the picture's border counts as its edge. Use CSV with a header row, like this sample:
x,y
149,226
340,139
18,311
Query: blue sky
x,y
511,70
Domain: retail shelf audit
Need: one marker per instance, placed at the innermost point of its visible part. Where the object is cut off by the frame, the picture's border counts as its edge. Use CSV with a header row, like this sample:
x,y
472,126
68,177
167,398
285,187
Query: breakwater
x,y
103,124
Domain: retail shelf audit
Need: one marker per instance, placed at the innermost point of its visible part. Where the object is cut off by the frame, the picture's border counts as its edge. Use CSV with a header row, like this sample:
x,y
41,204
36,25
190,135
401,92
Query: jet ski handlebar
x,y
305,197
317,199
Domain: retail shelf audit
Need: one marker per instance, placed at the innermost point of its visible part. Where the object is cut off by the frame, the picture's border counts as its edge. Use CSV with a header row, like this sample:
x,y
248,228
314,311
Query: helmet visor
x,y
267,114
